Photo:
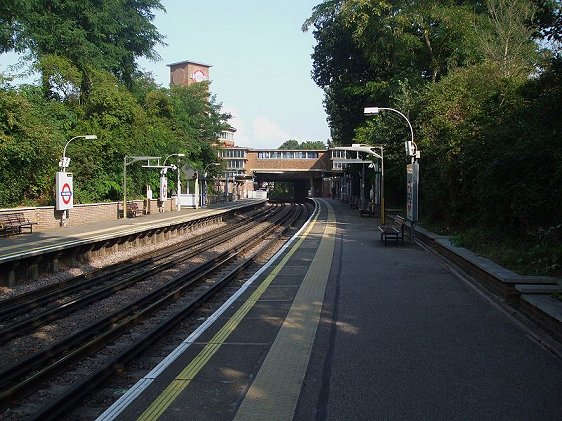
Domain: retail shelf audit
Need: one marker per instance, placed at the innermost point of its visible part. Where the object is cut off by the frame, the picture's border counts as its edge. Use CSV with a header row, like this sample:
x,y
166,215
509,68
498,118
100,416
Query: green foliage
x,y
27,146
150,121
310,145
90,34
491,147
526,255
61,79
86,54
474,79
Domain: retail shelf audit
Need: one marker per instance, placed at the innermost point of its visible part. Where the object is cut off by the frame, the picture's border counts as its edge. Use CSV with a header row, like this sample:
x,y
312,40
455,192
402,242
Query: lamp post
x,y
383,212
66,161
412,169
128,160
64,199
411,147
204,193
178,186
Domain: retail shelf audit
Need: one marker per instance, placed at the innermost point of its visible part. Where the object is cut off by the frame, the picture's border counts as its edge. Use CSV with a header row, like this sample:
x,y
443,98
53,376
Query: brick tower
x,y
186,73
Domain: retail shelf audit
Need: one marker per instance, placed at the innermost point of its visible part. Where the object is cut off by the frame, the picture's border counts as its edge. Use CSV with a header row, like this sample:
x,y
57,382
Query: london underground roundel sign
x,y
64,185
66,193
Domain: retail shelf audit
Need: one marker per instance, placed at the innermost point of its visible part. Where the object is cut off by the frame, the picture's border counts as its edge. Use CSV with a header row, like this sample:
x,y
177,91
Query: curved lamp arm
x,y
376,110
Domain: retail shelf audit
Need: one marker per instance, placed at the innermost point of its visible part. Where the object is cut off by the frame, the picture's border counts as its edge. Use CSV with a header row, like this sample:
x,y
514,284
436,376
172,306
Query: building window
x,y
235,164
232,153
288,155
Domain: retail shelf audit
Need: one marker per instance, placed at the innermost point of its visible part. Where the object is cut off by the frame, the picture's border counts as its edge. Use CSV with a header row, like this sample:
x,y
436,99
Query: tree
x,y
310,145
8,25
506,37
29,139
368,51
109,35
290,144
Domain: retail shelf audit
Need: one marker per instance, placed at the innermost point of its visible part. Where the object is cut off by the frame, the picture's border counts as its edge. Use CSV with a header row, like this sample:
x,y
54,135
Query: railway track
x,y
45,384
31,311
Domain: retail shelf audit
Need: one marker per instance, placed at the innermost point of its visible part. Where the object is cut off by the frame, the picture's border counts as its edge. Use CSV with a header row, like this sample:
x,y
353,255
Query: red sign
x,y
66,193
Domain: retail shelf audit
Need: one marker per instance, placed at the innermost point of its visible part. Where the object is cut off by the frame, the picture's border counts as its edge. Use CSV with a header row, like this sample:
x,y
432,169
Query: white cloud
x,y
267,134
241,136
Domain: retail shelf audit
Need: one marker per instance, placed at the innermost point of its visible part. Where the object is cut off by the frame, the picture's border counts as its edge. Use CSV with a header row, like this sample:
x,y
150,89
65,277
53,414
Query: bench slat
x,y
394,230
14,223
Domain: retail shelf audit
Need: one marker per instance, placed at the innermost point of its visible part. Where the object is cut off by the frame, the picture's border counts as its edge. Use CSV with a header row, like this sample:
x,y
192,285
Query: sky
x,y
261,64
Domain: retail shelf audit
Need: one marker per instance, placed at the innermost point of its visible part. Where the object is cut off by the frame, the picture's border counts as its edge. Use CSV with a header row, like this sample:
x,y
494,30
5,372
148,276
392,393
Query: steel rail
x,y
61,405
64,355
17,329
22,304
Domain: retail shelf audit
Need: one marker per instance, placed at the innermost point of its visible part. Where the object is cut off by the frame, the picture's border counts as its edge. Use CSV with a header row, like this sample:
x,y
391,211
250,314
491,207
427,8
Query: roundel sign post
x,y
65,193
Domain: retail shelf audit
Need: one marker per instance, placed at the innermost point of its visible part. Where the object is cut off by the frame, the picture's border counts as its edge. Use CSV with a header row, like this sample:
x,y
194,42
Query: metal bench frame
x,y
133,210
394,230
15,223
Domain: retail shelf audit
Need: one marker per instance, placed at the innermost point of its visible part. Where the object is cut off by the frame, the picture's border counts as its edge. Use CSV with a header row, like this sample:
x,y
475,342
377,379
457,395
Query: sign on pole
x,y
163,187
65,191
412,178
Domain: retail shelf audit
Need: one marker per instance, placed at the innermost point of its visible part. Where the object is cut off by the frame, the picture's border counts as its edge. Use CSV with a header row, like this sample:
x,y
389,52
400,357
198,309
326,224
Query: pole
x,y
226,186
178,207
125,187
383,212
362,192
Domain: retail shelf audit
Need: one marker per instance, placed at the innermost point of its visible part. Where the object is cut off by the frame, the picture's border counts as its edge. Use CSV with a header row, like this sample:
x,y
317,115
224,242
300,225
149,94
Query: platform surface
x,y
15,245
341,327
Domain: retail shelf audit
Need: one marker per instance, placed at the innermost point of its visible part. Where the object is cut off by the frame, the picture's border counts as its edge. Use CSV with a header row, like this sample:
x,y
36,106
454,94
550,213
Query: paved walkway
x,y
345,328
403,338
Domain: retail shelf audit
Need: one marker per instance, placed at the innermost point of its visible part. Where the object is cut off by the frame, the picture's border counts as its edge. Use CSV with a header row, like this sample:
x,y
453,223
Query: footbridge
x,y
310,173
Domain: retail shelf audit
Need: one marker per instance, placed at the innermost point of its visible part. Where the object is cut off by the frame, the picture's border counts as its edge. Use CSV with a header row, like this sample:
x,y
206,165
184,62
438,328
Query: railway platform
x,y
25,256
338,326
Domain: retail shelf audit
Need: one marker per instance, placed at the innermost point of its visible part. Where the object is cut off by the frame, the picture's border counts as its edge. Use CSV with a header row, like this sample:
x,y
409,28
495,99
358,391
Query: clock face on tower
x,y
199,76
178,76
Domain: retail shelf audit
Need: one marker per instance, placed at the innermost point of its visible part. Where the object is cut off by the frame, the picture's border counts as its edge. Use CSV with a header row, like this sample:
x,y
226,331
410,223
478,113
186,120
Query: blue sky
x,y
260,61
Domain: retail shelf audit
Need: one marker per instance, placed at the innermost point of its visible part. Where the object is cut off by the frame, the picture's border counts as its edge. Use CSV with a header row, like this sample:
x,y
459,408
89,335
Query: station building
x,y
248,171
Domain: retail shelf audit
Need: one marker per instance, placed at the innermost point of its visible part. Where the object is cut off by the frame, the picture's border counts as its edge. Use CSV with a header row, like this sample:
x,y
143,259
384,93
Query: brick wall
x,y
48,218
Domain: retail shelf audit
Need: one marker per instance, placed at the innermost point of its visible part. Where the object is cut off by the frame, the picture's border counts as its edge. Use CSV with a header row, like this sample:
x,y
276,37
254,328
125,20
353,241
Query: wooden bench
x,y
393,230
133,210
367,209
15,223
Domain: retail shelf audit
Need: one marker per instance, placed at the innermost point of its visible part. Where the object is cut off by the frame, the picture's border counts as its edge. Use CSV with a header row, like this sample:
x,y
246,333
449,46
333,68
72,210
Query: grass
x,y
525,255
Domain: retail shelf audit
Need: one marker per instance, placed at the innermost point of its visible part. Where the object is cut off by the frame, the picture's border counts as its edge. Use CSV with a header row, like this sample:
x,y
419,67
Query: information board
x,y
163,187
65,191
412,180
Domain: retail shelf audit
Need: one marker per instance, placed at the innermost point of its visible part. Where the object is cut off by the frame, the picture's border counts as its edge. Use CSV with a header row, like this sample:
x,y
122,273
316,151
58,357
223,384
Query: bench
x,y
393,230
133,210
15,223
368,209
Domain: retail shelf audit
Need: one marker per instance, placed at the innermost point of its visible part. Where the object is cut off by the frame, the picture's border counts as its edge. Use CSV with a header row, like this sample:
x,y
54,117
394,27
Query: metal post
x,y
383,212
362,192
125,187
226,186
178,207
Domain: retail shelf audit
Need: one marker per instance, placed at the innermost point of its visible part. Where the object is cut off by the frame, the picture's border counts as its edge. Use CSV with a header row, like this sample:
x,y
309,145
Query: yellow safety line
x,y
276,387
173,390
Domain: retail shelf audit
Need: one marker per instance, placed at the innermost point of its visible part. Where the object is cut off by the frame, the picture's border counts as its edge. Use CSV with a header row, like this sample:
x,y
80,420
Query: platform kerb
x,y
23,266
